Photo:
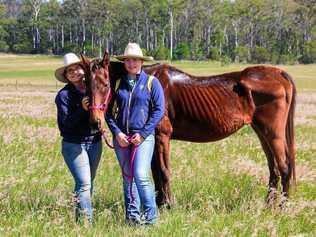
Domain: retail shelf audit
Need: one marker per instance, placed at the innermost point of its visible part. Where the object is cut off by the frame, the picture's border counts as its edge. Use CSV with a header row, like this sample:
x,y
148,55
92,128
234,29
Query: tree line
x,y
255,31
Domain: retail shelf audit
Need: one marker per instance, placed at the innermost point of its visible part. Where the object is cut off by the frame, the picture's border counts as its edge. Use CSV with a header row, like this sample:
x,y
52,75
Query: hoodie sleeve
x,y
157,111
64,117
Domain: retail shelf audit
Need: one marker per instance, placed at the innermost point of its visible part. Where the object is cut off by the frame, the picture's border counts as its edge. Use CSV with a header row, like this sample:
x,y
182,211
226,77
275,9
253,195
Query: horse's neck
x,y
117,70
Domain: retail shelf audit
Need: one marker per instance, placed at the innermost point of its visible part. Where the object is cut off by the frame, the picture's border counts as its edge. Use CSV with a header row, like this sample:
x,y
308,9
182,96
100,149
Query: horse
x,y
210,108
97,82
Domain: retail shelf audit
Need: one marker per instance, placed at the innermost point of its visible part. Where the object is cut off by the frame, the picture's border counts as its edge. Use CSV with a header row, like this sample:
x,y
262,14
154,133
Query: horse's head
x,y
98,88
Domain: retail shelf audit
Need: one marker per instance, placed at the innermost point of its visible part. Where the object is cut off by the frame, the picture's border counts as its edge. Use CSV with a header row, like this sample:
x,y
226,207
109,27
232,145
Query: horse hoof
x,y
162,203
165,203
165,206
271,197
284,202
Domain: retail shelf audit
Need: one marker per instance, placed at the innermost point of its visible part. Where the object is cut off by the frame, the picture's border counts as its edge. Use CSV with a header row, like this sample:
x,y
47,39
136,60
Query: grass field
x,y
219,187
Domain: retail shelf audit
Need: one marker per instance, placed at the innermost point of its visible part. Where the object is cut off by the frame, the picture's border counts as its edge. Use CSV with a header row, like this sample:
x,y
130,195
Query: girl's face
x,y
133,65
74,73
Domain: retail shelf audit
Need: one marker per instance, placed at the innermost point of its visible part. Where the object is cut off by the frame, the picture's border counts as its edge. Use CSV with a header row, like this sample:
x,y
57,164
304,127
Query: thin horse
x,y
205,109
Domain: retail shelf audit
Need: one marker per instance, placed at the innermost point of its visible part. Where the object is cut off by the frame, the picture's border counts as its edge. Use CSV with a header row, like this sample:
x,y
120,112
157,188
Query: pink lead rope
x,y
103,107
131,166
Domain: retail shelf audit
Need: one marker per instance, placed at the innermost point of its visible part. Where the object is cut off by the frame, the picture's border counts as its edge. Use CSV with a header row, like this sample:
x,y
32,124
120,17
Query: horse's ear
x,y
85,60
106,59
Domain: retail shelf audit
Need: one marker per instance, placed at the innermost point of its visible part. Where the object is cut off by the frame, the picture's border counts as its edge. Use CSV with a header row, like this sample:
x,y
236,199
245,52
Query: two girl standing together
x,y
82,148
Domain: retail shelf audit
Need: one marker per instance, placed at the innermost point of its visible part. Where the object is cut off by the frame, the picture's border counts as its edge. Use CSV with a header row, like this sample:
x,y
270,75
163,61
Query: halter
x,y
103,107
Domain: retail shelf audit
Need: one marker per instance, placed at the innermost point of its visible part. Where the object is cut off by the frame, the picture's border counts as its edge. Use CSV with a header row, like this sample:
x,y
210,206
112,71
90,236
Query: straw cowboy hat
x,y
133,50
69,59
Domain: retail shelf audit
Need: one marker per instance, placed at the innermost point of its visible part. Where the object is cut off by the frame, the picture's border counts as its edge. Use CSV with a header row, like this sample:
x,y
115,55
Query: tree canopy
x,y
256,31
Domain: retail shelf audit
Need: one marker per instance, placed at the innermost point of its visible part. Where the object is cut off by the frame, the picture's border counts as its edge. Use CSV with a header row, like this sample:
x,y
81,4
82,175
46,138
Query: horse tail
x,y
289,130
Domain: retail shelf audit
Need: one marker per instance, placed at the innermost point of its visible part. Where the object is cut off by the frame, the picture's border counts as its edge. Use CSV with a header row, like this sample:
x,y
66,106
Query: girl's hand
x,y
137,139
85,103
122,139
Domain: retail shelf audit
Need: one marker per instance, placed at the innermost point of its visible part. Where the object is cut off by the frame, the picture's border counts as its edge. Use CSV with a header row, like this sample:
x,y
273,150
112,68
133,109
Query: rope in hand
x,y
131,165
104,107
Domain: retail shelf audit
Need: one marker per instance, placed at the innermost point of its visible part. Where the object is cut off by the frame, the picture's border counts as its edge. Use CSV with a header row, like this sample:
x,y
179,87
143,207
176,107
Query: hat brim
x,y
123,57
59,73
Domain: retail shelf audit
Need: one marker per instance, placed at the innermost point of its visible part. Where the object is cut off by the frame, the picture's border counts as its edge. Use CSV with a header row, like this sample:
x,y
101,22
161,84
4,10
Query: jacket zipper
x,y
128,109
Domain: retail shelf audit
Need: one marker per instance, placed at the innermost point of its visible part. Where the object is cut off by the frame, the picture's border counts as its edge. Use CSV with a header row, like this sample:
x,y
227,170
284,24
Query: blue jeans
x,y
143,189
82,161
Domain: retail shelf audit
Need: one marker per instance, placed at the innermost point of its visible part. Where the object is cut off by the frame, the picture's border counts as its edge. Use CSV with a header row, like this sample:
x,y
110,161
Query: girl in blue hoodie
x,y
139,108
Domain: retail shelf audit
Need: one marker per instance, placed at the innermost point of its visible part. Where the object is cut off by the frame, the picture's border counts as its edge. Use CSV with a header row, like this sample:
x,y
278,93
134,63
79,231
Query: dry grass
x,y
219,187
306,109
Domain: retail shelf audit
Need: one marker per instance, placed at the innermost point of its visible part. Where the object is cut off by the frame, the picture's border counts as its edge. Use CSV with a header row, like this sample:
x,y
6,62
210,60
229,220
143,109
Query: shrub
x,y
287,59
215,54
241,54
25,47
91,52
68,47
309,52
260,55
3,46
161,53
225,60
197,52
182,51
274,58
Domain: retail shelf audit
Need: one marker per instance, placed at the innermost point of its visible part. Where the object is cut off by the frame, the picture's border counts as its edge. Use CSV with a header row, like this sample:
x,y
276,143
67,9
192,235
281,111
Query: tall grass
x,y
219,187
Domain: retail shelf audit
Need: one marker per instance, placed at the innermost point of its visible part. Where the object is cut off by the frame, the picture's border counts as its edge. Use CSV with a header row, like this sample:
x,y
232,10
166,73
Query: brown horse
x,y
97,81
205,109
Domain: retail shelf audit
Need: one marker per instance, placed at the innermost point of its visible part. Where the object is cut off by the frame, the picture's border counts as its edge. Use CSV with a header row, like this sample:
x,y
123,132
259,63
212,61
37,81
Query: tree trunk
x,y
92,43
84,36
70,34
100,47
57,39
147,31
208,39
171,33
62,37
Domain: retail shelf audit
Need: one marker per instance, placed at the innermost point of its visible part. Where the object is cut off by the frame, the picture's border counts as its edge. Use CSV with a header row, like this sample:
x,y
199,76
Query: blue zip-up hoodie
x,y
139,110
73,120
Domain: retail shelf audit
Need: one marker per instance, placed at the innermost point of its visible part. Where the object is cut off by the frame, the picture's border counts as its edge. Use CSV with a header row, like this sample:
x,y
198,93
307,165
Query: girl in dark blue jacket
x,y
139,101
81,147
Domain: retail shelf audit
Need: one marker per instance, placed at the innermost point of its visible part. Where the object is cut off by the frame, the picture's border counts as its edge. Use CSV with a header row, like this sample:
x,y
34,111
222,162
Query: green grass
x,y
219,187
39,70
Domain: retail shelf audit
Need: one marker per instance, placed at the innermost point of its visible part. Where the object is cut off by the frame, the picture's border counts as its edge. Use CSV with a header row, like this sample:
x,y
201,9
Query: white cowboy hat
x,y
133,50
69,59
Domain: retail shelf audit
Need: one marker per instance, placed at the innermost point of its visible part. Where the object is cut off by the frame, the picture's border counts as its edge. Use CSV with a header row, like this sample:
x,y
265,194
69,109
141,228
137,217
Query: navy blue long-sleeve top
x,y
140,108
73,120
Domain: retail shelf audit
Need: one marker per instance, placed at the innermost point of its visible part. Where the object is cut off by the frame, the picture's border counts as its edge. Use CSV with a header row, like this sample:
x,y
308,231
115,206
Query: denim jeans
x,y
82,161
143,189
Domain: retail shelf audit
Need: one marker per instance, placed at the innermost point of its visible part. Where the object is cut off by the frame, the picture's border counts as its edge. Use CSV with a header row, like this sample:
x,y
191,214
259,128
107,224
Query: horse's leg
x,y
161,165
157,174
272,118
274,174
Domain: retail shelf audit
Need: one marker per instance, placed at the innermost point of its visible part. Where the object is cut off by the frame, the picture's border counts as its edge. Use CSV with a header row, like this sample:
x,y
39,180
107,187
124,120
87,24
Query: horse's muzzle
x,y
95,126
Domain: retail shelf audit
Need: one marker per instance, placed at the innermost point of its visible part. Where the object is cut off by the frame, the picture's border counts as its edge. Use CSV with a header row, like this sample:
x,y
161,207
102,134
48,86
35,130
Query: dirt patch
x,y
306,108
244,165
305,173
33,104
